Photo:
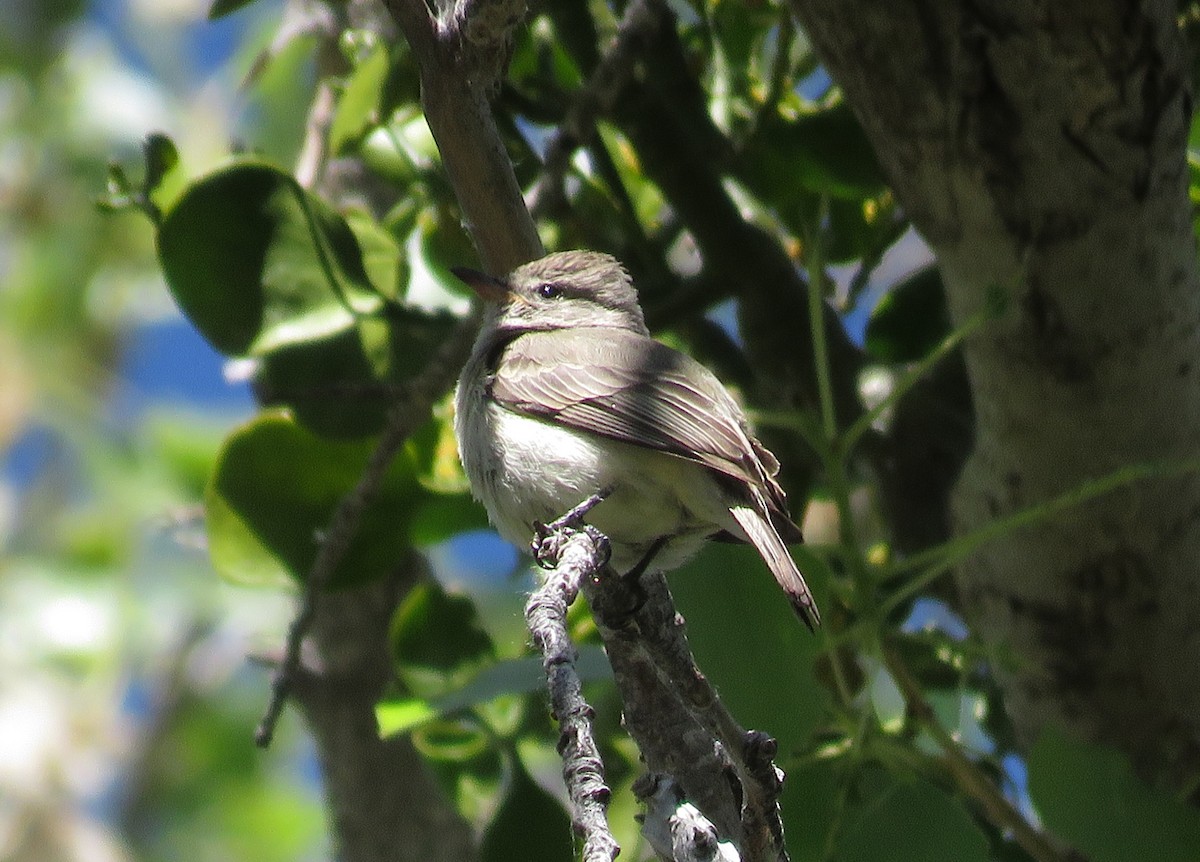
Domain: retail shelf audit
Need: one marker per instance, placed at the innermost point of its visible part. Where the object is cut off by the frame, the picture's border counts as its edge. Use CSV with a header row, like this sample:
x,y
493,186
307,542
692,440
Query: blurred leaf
x,y
161,159
810,808
358,107
160,184
444,244
221,8
530,824
444,515
912,820
342,385
436,630
512,676
737,618
273,491
383,257
911,319
825,152
333,384
454,742
1088,796
257,263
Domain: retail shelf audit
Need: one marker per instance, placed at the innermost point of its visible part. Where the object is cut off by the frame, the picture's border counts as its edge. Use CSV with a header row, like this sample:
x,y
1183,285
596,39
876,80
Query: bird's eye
x,y
549,291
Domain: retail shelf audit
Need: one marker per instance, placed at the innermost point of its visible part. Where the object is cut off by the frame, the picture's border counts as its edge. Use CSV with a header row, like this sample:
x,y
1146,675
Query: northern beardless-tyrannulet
x,y
566,395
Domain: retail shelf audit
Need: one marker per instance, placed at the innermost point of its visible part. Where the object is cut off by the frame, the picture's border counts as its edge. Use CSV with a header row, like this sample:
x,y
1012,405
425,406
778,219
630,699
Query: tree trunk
x,y
1040,149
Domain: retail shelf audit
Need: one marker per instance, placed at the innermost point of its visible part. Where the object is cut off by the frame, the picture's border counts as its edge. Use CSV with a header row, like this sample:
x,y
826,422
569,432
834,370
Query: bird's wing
x,y
628,387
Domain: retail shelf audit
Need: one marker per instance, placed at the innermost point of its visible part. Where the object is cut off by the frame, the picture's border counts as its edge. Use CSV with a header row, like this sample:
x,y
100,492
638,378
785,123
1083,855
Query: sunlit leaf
x,y
257,263
273,493
509,677
357,109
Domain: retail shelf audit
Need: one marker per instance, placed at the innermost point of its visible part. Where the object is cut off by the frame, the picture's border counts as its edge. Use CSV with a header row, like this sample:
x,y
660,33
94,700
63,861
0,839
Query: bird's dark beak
x,y
489,288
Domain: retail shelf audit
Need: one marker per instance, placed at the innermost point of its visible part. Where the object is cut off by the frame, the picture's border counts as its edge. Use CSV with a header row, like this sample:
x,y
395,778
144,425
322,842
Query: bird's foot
x,y
548,539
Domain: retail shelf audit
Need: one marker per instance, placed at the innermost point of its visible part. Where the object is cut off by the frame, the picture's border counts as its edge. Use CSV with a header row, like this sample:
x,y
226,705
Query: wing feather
x,y
626,386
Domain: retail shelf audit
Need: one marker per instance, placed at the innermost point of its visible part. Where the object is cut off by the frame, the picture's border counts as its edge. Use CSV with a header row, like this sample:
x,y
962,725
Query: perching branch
x,y
679,722
678,830
578,556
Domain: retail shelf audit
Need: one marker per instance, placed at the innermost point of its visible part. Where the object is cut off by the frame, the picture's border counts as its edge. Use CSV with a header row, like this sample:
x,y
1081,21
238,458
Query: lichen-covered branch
x,y
579,557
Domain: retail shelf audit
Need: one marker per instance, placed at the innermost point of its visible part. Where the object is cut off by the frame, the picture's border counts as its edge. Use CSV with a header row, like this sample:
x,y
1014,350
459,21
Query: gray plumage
x,y
566,393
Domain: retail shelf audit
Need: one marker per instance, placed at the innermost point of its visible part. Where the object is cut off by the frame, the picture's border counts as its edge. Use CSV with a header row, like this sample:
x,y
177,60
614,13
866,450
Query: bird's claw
x,y
549,539
547,544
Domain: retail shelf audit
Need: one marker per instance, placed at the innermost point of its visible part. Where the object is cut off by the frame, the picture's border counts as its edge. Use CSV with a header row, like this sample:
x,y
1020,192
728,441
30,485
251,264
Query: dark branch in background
x,y
594,100
663,111
403,419
385,803
577,556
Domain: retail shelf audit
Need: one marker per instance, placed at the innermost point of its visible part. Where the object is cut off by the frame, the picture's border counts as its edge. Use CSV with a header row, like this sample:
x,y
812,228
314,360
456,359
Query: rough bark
x,y
1040,148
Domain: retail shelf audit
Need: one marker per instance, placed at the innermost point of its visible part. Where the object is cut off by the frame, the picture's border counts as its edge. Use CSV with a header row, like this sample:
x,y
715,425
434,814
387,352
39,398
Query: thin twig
x,y
403,418
966,774
580,556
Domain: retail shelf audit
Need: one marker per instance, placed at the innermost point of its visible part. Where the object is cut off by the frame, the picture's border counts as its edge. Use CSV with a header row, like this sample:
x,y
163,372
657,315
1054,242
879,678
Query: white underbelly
x,y
526,470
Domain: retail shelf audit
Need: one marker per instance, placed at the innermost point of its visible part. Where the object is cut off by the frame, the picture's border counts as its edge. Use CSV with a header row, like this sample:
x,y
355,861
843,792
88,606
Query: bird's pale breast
x,y
524,470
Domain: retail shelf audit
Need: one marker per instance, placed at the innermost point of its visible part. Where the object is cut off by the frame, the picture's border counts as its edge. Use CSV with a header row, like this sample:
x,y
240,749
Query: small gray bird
x,y
566,394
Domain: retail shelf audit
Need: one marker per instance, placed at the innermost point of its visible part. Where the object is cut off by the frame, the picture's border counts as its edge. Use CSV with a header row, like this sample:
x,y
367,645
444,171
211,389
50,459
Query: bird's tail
x,y
775,553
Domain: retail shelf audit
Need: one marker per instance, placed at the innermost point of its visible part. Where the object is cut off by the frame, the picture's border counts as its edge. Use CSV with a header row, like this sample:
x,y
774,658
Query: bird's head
x,y
560,291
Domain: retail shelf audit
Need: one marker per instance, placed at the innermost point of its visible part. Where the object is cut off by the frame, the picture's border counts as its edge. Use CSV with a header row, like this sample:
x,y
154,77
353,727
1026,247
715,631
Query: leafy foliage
x,y
334,297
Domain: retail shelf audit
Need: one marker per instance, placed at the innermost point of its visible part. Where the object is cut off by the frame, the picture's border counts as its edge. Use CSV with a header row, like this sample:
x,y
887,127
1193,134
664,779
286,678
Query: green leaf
x,y
737,618
810,808
523,675
825,152
911,320
274,490
334,385
221,8
342,385
1088,796
530,824
257,263
357,109
383,258
434,629
912,820
444,515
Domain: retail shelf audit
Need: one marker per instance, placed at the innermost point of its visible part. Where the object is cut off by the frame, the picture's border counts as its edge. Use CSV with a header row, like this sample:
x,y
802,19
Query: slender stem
x,y
546,615
816,322
966,773
932,564
910,378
